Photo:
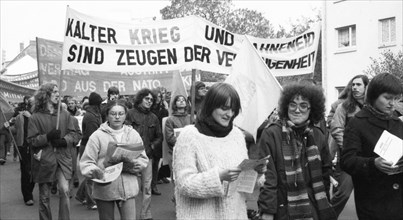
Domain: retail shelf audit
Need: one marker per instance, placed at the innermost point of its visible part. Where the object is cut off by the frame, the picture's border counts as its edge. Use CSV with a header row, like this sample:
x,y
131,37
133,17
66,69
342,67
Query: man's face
x,y
147,101
71,105
113,97
54,96
358,88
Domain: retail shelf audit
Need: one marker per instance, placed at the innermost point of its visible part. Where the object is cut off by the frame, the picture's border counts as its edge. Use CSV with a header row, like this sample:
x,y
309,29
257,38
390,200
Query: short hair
x,y
216,97
314,94
114,103
141,94
174,107
113,91
383,83
42,96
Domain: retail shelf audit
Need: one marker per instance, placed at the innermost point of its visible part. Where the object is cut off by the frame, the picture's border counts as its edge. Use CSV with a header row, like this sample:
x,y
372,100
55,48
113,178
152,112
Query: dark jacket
x,y
147,125
377,195
39,125
161,112
273,195
177,120
91,121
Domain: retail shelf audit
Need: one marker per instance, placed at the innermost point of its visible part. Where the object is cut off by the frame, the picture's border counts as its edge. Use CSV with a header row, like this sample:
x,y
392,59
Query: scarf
x,y
378,114
142,109
296,141
211,128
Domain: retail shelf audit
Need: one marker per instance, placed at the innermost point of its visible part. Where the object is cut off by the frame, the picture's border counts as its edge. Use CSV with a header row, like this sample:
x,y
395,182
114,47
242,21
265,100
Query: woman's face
x,y
147,101
116,117
181,102
224,114
298,110
386,103
54,96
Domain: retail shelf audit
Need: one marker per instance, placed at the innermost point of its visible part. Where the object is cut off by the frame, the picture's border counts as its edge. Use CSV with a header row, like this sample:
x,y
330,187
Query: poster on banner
x,y
80,83
96,44
13,92
289,56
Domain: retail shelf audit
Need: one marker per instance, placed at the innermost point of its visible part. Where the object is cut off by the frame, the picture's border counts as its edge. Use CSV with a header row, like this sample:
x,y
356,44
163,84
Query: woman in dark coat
x,y
297,178
377,185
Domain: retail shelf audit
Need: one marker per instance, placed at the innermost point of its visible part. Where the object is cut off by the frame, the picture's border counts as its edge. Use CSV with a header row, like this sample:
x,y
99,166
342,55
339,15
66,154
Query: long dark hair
x,y
42,96
350,104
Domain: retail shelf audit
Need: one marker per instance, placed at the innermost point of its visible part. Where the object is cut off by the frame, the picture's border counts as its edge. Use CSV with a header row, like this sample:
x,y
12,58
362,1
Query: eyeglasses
x,y
303,107
120,114
148,99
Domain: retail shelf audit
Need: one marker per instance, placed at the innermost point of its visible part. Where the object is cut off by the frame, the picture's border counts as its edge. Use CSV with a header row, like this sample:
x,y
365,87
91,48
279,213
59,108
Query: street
x,y
12,205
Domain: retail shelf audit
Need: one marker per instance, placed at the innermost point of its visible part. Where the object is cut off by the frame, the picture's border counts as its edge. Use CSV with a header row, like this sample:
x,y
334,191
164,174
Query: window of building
x,y
346,37
387,31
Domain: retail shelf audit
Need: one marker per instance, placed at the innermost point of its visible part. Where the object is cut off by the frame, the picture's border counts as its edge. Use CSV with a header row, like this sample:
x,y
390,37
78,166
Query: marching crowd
x,y
314,162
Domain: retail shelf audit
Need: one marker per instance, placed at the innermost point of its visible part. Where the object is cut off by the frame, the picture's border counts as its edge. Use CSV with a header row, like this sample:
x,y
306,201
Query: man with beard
x,y
344,112
147,125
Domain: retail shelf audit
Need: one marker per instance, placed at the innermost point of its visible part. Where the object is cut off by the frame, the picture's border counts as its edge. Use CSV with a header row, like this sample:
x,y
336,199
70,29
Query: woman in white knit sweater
x,y
207,155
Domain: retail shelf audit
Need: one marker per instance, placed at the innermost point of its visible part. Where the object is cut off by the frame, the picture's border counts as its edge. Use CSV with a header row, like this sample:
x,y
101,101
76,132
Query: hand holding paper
x,y
390,148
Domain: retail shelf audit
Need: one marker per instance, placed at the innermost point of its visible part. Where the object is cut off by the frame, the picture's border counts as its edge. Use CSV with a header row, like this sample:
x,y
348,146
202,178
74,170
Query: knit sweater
x,y
197,161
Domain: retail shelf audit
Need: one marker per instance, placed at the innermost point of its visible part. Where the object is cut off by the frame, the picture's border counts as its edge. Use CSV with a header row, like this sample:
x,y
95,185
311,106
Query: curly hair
x,y
42,96
175,108
143,93
314,94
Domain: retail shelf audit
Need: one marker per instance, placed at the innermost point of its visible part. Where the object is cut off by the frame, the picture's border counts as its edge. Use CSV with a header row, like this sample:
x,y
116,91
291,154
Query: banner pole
x,y
59,103
12,137
192,96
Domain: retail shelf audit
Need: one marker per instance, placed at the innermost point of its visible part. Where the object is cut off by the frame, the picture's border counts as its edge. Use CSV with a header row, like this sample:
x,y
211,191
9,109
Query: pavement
x,y
12,206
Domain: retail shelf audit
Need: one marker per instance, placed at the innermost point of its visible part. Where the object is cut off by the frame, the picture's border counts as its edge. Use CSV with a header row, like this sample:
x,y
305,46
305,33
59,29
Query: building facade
x,y
353,33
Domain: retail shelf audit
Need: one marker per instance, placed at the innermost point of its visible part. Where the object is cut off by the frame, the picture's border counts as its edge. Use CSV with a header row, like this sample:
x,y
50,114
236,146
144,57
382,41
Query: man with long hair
x,y
344,112
52,159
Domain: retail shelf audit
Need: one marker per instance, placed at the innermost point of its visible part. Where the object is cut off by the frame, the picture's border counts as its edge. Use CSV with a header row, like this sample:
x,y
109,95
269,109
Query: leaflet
x,y
111,173
389,147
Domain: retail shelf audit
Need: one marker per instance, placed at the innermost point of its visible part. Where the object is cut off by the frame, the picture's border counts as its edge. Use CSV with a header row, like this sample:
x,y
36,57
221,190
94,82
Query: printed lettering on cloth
x,y
96,44
290,56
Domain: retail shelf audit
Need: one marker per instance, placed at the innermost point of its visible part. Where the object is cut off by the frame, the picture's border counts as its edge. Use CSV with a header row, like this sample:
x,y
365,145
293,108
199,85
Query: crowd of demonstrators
x,y
147,125
205,156
51,145
343,114
378,185
91,121
298,173
208,154
160,110
122,191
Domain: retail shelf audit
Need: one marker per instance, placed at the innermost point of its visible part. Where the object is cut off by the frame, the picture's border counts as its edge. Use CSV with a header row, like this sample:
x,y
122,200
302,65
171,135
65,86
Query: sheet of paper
x,y
250,164
247,181
111,173
119,152
389,147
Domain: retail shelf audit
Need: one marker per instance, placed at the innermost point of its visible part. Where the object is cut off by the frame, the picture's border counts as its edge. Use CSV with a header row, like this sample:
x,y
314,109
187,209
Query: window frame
x,y
381,43
350,48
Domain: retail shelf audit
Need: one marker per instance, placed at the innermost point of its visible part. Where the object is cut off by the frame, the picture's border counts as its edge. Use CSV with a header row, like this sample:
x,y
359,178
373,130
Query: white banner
x,y
95,44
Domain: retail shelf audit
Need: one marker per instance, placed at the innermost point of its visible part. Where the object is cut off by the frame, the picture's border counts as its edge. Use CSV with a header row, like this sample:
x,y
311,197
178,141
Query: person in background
x,y
51,149
179,119
378,185
200,90
147,125
343,114
123,190
298,173
72,107
159,109
206,157
113,94
20,128
91,122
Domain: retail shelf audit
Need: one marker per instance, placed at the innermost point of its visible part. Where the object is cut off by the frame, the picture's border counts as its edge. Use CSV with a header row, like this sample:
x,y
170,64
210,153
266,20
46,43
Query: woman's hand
x,y
385,166
262,168
229,174
97,173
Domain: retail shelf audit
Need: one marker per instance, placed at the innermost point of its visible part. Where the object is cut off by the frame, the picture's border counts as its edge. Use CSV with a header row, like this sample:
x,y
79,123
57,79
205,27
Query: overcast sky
x,y
22,21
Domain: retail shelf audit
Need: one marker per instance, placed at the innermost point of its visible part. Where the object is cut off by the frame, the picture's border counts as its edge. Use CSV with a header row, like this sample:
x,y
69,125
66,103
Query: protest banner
x,y
187,43
13,92
80,83
289,56
259,92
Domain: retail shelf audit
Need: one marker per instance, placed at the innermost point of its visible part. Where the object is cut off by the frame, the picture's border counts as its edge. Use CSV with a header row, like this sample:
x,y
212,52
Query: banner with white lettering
x,y
80,83
289,56
96,44
13,92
